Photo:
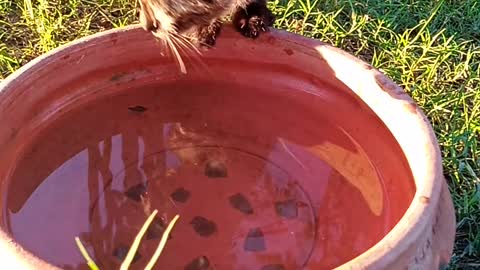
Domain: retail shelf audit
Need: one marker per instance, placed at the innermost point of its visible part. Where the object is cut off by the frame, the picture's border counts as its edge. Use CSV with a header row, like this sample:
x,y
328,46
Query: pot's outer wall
x,y
424,237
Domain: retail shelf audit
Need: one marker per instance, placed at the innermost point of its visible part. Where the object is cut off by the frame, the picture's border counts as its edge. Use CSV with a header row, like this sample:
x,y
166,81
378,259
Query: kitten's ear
x,y
147,17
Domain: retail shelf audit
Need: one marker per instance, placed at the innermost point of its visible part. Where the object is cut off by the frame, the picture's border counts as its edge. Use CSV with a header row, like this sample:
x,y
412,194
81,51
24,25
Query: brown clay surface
x,y
262,177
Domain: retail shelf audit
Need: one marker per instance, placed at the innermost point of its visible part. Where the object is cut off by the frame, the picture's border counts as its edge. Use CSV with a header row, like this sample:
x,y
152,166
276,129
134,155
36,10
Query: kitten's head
x,y
183,17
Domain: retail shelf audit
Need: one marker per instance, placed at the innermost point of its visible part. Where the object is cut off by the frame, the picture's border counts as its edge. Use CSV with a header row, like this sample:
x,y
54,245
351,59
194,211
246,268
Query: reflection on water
x,y
276,199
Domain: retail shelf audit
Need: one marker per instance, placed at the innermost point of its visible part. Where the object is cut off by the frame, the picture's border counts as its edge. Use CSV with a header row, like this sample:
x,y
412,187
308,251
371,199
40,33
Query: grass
x,y
135,245
429,47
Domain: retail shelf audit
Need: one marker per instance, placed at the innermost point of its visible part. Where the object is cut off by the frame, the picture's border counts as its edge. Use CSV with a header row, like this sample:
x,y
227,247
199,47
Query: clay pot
x,y
278,152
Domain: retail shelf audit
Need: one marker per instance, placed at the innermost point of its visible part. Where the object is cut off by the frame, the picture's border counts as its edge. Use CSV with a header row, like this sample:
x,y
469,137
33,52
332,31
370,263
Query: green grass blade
x,y
162,244
136,243
85,255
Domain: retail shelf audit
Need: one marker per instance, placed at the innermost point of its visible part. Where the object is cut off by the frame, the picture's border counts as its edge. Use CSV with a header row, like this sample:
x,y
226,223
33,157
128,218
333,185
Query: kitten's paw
x,y
253,19
207,36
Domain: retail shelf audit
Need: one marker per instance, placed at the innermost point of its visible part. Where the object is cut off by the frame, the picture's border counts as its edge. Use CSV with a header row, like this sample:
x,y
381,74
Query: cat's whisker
x,y
176,54
187,43
190,50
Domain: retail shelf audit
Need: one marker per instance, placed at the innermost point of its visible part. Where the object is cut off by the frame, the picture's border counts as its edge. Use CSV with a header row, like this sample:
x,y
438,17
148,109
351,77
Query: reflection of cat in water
x,y
228,200
272,213
184,144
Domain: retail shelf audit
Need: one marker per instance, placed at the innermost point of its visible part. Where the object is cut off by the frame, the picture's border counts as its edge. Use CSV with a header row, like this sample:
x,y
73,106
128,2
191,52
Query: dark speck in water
x,y
241,203
200,263
273,267
180,195
203,226
117,77
255,241
287,209
122,251
137,109
136,192
216,169
288,51
156,229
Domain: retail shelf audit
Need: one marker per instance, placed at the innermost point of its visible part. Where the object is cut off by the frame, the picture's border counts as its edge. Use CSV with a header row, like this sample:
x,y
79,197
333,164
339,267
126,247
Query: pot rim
x,y
422,152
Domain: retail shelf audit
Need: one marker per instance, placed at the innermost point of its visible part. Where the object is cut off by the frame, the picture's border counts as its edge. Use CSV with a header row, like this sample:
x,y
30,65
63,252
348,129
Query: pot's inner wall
x,y
263,176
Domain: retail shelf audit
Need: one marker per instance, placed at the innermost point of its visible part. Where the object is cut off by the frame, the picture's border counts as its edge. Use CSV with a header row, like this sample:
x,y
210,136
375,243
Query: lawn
x,y
429,47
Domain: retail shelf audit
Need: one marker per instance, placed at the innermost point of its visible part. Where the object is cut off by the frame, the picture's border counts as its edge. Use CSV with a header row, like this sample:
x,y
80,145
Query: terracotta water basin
x,y
276,153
